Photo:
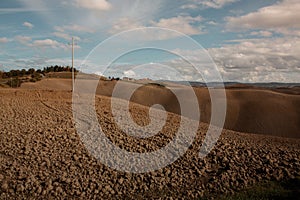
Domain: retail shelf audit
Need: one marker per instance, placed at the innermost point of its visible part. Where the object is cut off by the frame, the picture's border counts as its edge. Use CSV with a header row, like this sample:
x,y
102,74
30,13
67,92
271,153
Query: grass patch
x,y
269,190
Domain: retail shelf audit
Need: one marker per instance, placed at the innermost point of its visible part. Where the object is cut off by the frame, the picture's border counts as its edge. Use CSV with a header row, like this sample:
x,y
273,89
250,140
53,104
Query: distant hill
x,y
262,111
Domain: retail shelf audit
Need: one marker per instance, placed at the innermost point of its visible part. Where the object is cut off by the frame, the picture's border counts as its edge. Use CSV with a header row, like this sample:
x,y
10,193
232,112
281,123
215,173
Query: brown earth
x,y
43,157
249,110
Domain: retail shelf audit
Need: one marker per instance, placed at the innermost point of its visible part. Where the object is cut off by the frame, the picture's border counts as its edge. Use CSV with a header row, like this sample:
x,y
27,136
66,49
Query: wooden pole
x,y
73,64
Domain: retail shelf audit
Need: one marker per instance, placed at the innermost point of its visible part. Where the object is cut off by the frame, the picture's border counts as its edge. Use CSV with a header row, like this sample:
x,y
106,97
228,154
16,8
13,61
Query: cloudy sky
x,y
249,40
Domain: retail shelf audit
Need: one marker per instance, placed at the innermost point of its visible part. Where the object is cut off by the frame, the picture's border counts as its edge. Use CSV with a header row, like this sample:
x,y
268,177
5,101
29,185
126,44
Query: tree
x,y
31,71
23,72
36,76
15,73
14,82
7,75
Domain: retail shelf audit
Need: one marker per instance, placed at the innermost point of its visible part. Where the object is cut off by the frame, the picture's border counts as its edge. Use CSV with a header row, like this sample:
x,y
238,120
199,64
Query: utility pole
x,y
73,76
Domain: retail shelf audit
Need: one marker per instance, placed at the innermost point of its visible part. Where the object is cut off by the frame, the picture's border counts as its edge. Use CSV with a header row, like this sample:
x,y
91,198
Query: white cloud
x,y
124,24
19,10
217,4
282,17
262,33
289,32
98,73
23,39
94,4
28,25
189,6
184,24
65,36
130,74
48,43
213,23
75,28
259,60
4,40
200,59
255,60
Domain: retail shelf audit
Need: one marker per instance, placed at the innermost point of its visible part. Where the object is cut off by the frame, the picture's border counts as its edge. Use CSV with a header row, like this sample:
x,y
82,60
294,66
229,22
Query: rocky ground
x,y
42,156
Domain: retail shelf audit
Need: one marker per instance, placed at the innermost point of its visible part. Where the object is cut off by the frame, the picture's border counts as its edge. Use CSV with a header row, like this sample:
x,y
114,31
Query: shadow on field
x,y
275,190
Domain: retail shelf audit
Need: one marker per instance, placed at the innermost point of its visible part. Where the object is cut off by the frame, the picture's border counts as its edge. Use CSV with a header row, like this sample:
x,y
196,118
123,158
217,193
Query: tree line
x,y
16,77
32,71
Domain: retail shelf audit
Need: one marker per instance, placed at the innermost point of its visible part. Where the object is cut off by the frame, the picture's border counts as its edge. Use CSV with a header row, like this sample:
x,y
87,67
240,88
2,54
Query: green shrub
x,y
14,82
36,76
33,80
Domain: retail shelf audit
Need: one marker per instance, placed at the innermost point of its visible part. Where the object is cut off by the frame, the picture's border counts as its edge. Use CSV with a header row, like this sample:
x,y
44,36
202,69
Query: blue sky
x,y
249,40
